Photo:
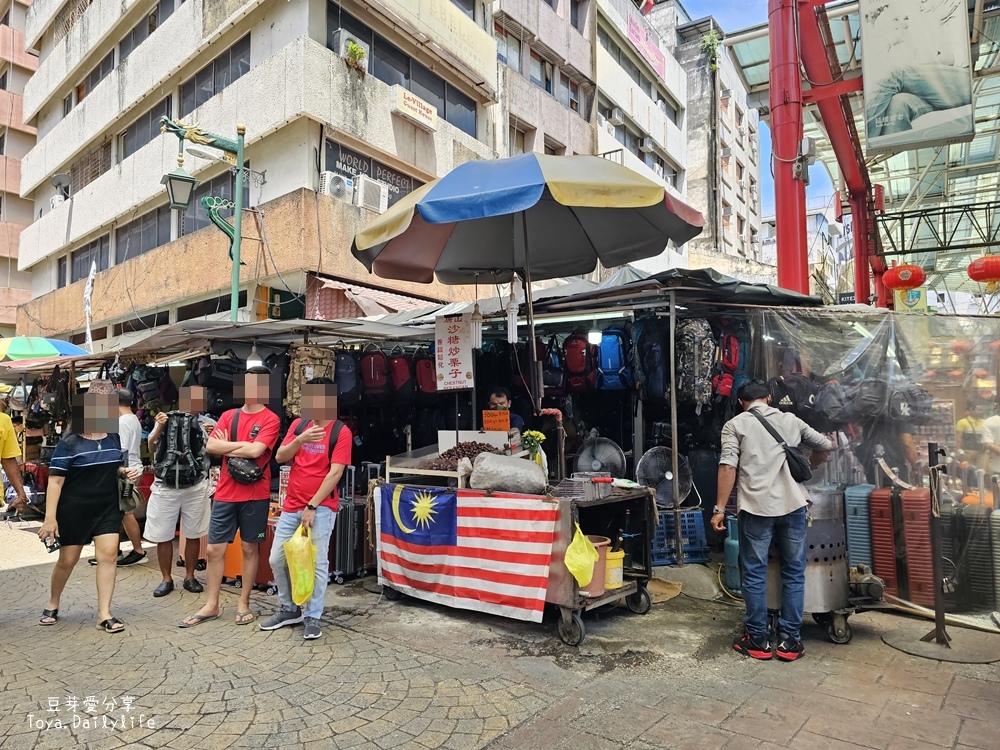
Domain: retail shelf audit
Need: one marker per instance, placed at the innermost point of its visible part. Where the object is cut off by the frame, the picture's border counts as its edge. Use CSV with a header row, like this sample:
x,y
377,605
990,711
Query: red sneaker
x,y
789,649
753,647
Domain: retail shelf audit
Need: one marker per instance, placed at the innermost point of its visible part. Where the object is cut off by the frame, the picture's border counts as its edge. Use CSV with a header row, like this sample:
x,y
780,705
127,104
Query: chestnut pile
x,y
448,461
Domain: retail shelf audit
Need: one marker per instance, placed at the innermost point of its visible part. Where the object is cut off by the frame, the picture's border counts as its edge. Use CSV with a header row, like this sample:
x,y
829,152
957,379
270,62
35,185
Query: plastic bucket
x,y
596,586
614,570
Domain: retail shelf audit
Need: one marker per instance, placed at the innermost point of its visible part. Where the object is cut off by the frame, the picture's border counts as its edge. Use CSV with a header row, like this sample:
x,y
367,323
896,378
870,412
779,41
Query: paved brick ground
x,y
409,675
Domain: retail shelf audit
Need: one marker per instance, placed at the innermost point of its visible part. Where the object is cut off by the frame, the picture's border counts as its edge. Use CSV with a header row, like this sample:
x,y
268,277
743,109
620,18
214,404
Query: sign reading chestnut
x,y
415,109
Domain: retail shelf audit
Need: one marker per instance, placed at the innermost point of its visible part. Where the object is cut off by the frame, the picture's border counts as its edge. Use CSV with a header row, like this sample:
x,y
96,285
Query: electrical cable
x,y
267,246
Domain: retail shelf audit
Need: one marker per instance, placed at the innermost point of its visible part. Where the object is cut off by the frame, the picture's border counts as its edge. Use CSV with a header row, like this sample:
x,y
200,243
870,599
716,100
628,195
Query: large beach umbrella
x,y
536,216
36,347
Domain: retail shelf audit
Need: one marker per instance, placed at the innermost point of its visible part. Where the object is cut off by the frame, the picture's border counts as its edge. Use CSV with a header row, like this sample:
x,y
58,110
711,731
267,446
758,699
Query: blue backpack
x,y
614,366
650,365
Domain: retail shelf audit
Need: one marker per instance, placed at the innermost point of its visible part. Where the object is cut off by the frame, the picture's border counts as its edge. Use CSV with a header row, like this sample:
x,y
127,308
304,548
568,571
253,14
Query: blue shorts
x,y
250,516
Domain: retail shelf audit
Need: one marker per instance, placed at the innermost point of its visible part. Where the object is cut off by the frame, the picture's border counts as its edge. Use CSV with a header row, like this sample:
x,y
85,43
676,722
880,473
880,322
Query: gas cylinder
x,y
731,548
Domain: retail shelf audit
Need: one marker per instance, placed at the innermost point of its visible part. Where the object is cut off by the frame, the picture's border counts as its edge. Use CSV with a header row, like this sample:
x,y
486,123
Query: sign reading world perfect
x,y
453,352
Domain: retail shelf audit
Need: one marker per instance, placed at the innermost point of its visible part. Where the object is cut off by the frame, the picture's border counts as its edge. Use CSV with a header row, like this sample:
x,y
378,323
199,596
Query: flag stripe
x,y
512,525
500,555
466,563
506,514
472,596
459,578
517,535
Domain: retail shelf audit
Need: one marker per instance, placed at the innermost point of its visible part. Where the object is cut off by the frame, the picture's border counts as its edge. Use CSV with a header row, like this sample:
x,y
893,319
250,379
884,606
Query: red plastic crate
x,y
883,539
917,536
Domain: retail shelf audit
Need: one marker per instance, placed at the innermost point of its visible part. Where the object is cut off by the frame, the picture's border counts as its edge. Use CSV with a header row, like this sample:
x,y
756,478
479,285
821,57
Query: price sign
x,y
453,352
496,420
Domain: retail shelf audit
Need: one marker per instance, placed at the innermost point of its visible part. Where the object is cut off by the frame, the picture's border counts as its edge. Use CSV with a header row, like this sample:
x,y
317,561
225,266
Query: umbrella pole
x,y
675,484
534,366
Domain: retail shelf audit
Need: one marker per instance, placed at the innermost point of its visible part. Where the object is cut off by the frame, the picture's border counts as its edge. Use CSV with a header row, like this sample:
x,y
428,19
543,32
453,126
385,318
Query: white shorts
x,y
166,505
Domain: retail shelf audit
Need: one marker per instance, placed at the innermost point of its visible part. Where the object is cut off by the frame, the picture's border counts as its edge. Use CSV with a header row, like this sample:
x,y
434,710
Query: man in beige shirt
x,y
772,506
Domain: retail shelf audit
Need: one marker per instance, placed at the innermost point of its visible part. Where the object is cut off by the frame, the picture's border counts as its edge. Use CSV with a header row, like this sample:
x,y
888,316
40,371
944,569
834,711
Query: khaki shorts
x,y
167,505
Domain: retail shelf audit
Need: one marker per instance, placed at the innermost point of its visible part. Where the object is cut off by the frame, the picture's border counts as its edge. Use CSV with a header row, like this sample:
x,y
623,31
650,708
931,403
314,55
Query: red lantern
x,y
985,270
981,374
906,276
956,375
962,347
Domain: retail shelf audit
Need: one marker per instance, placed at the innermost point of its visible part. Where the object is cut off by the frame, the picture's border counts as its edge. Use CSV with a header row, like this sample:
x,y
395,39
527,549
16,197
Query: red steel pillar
x,y
859,218
786,132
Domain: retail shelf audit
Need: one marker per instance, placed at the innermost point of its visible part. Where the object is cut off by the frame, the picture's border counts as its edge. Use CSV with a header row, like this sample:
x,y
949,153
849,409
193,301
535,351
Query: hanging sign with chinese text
x,y
453,352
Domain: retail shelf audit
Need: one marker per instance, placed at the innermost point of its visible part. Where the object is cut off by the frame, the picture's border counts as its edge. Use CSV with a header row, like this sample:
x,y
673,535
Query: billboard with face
x,y
917,72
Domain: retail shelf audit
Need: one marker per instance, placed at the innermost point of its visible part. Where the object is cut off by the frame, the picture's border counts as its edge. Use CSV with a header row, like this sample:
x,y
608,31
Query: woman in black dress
x,y
82,503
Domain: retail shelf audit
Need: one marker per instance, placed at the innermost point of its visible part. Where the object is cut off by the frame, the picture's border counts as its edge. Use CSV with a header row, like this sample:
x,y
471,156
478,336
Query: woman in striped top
x,y
82,502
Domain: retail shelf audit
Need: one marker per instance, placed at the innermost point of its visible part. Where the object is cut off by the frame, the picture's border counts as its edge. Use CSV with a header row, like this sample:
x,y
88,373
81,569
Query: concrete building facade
x,y
424,101
723,146
16,139
830,248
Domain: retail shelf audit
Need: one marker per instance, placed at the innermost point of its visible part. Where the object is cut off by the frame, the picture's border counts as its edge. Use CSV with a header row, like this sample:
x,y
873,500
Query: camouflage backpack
x,y
695,361
305,363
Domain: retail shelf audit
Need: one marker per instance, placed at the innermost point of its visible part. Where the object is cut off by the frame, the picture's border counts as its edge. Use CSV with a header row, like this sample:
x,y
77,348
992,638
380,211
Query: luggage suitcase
x,y
265,576
232,566
349,534
859,528
951,572
976,553
883,539
916,518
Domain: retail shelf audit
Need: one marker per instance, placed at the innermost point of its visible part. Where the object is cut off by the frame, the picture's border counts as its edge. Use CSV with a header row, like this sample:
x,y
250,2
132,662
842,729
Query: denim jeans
x,y
909,92
789,536
320,533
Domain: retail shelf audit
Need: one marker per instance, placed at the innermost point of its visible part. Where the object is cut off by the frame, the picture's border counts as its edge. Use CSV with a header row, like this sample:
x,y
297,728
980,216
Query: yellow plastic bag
x,y
300,553
580,558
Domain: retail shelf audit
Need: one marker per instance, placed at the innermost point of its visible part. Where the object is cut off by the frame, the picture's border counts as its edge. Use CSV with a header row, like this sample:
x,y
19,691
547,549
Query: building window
x,y
142,131
739,117
740,171
144,28
3,81
97,252
574,14
98,74
542,72
536,69
195,217
61,265
516,141
231,65
90,166
468,7
5,21
392,66
143,234
741,227
508,48
3,144
68,104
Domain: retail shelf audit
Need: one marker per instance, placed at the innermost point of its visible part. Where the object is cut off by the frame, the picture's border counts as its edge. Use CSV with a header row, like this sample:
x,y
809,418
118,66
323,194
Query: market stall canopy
x,y
692,287
570,212
11,370
36,347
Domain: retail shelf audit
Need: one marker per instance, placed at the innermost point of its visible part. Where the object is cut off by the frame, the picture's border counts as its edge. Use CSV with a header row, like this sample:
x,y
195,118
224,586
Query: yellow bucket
x,y
614,570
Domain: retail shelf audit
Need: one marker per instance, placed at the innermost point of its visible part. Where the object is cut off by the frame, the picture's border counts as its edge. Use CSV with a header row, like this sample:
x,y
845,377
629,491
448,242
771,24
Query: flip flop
x,y
198,620
49,614
241,617
108,626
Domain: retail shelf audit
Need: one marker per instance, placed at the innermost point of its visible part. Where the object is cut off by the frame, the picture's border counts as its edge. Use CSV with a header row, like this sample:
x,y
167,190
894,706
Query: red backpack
x,y
425,374
578,354
401,376
375,372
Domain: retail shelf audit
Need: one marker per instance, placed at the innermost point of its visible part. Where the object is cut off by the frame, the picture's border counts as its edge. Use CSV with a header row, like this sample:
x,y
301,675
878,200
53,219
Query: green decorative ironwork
x,y
194,134
213,205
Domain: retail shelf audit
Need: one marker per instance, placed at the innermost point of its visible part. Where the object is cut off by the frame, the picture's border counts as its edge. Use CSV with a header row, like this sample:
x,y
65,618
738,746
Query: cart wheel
x,y
839,630
272,590
573,632
201,565
639,602
391,594
338,579
822,618
238,583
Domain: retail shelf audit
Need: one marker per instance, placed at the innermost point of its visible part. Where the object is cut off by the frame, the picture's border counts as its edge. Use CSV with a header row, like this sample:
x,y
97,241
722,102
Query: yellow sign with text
x,y
415,109
496,420
911,300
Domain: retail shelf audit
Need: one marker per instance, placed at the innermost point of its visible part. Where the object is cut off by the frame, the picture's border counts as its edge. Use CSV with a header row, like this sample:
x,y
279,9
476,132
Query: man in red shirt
x,y
239,504
319,447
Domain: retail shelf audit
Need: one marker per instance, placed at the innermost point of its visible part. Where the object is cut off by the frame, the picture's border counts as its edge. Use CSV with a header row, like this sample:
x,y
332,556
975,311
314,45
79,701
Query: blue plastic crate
x,y
693,538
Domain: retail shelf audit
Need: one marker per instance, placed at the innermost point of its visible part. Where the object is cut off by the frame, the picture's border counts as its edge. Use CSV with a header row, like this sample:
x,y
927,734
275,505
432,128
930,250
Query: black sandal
x,y
108,626
49,614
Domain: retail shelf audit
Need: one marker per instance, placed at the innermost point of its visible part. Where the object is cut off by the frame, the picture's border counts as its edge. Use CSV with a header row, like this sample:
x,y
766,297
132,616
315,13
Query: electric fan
x,y
601,455
655,469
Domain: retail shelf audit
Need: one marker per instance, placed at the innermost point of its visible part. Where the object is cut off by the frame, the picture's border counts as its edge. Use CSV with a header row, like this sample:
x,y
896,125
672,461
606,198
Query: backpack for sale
x,y
401,376
651,366
867,400
910,404
425,375
832,404
695,352
614,363
375,373
349,385
578,356
305,362
802,391
553,374
180,459
54,397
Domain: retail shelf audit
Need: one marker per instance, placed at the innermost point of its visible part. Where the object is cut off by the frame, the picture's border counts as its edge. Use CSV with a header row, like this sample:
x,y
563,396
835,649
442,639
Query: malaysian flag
x,y
466,550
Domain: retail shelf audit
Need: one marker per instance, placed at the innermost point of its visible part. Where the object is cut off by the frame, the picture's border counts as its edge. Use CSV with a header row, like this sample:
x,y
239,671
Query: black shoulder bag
x,y
798,464
242,470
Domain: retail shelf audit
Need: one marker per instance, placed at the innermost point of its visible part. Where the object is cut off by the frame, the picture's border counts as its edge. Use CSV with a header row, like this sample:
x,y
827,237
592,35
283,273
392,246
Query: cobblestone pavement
x,y
410,675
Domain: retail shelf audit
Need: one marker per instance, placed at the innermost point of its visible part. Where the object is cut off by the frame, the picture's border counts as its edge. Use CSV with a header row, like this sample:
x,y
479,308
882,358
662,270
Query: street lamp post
x,y
181,185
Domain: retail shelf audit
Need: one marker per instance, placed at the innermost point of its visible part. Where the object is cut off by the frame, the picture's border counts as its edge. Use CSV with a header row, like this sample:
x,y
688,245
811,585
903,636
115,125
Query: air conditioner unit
x,y
743,132
726,93
617,117
336,186
647,146
610,128
342,39
727,211
727,151
371,194
602,121
658,170
661,105
743,185
56,200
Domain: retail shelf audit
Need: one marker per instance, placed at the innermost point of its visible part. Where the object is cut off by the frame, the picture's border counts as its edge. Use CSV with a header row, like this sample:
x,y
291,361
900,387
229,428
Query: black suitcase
x,y
348,557
975,553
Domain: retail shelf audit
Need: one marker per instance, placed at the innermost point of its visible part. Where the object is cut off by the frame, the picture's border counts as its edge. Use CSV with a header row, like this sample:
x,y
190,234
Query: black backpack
x,y
180,453
334,433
